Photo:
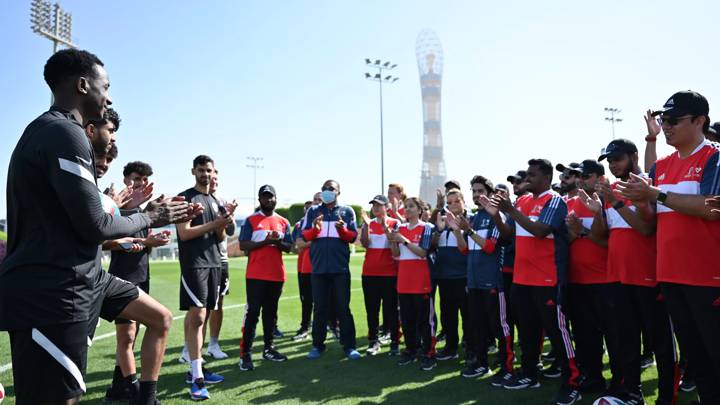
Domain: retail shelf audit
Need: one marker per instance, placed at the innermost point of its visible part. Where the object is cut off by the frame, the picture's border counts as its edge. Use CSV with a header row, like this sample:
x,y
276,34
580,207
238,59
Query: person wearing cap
x,y
631,256
331,228
518,182
450,274
592,288
264,235
688,233
379,275
539,280
569,177
487,307
449,185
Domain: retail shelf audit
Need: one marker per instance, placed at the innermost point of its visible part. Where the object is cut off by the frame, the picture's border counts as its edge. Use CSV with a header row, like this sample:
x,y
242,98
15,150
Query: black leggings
x,y
381,290
453,300
417,322
306,300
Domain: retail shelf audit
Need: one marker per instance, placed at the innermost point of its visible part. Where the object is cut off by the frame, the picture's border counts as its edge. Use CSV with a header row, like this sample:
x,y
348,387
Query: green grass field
x,y
331,379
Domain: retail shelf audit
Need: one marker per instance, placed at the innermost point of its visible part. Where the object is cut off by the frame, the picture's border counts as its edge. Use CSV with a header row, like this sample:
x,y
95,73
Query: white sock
x,y
214,342
196,368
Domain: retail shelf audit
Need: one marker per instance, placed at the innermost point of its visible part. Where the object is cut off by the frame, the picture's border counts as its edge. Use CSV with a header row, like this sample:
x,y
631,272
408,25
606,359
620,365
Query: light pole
x,y
254,165
50,21
612,118
378,77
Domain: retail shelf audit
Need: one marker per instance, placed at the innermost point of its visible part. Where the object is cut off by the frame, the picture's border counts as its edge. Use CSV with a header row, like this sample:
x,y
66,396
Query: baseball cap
x,y
452,184
380,199
573,167
684,103
519,176
618,147
589,166
266,189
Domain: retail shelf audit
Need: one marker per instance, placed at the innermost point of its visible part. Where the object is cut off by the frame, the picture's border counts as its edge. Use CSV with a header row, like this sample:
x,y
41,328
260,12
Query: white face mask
x,y
328,197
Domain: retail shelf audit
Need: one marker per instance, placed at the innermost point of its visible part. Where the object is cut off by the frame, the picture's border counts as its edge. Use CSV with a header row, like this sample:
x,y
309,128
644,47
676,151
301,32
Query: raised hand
x,y
463,223
340,224
502,203
440,199
592,203
451,220
230,208
317,222
157,239
636,189
365,217
121,198
573,223
164,211
138,196
488,205
714,204
604,189
440,222
653,126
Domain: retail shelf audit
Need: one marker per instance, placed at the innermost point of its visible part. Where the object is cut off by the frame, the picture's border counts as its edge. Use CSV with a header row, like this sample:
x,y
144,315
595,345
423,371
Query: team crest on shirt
x,y
536,210
693,172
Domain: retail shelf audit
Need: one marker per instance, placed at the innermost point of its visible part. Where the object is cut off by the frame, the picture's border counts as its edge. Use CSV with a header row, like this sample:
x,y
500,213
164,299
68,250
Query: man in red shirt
x,y
265,235
592,290
688,233
541,258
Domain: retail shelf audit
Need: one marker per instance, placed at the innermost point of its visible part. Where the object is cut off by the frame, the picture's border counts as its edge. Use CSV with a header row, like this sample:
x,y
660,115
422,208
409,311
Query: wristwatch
x,y
662,196
618,204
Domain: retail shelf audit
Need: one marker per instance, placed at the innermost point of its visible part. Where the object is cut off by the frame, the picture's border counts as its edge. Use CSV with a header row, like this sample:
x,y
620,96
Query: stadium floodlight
x,y
612,118
254,165
378,77
52,22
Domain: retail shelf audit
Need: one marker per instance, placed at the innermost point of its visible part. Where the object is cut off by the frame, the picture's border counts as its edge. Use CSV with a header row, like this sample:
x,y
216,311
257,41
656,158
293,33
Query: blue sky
x,y
284,80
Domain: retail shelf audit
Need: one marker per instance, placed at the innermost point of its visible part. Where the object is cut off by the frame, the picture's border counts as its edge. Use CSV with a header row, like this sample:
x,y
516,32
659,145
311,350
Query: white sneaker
x,y
216,352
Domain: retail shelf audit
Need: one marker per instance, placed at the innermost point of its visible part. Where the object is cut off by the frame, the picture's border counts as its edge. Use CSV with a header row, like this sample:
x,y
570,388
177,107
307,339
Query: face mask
x,y
328,196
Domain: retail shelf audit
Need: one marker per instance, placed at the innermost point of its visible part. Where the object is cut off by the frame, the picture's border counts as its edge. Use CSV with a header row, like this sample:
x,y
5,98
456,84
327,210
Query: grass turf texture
x,y
331,379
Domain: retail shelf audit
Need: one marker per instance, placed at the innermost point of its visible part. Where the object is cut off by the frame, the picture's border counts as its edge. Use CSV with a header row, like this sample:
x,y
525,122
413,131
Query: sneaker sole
x,y
428,368
194,398
275,360
536,385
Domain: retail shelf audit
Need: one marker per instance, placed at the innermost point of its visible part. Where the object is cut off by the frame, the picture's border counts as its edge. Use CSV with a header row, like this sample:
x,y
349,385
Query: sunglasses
x,y
672,121
585,176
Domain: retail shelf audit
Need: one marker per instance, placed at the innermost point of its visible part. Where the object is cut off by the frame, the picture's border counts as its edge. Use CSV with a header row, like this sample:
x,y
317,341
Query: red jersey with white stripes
x,y
265,263
413,270
541,261
378,256
687,245
588,260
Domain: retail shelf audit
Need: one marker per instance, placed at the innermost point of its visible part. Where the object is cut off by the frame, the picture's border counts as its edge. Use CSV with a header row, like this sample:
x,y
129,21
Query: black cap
x,y
266,189
519,176
716,127
589,166
501,186
452,184
572,166
618,147
380,199
684,103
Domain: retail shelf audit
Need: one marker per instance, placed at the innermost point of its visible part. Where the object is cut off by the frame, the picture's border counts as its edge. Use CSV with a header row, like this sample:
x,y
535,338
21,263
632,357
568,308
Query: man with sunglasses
x,y
569,177
688,233
331,228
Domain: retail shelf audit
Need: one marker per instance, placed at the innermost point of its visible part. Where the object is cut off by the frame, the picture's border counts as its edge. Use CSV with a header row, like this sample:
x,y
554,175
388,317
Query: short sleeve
x,y
554,213
246,230
710,182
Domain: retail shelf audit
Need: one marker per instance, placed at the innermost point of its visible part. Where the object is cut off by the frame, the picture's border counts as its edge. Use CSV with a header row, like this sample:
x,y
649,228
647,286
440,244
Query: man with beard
x,y
688,233
569,177
51,282
200,268
265,235
631,256
540,278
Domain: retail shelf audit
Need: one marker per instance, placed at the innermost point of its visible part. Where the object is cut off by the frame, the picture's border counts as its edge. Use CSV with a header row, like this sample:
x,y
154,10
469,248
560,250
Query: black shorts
x,y
200,288
224,279
49,362
145,286
113,295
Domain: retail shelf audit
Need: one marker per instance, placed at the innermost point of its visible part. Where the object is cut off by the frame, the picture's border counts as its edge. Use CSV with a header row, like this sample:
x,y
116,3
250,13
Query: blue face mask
x,y
328,197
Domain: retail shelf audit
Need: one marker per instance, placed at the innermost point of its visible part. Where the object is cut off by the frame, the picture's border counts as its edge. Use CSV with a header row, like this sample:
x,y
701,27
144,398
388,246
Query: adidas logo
x,y
670,103
716,303
662,177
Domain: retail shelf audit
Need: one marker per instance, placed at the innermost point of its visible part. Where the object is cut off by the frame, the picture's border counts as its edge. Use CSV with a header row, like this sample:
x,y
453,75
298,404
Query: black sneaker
x,y
384,338
373,348
246,363
519,382
273,355
446,354
552,371
428,363
548,357
687,385
277,334
633,398
115,393
647,361
567,396
474,369
301,334
394,349
406,357
500,378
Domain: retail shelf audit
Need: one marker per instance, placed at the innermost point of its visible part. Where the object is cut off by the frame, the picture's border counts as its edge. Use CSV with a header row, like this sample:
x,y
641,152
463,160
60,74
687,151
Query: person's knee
x,y
125,336
195,318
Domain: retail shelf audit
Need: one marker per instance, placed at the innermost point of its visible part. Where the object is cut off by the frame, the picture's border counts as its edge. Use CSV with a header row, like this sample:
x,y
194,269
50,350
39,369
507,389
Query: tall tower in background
x,y
430,63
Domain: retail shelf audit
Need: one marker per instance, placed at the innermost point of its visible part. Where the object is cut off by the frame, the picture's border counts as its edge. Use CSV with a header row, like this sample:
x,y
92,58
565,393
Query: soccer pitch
x,y
331,379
